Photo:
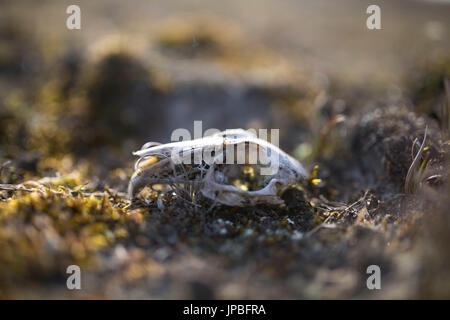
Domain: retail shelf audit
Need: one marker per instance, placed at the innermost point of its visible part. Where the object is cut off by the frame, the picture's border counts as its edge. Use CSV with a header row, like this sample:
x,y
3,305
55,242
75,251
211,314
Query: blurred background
x,y
74,104
131,74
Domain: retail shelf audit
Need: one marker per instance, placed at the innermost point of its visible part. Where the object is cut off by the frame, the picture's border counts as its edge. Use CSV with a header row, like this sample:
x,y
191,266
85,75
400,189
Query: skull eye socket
x,y
243,177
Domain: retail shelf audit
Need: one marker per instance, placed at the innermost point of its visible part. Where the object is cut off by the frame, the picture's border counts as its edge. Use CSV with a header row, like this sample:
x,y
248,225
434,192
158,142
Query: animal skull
x,y
222,167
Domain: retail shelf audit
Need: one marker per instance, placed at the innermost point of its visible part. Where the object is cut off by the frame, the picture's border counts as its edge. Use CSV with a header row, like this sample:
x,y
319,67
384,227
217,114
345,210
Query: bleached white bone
x,y
289,170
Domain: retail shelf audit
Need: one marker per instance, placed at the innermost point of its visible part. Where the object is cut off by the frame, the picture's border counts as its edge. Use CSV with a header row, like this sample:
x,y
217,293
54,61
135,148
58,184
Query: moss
x,y
43,232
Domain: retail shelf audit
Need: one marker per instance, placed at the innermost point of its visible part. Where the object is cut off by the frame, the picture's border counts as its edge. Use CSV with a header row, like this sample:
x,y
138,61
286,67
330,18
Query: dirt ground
x,y
352,106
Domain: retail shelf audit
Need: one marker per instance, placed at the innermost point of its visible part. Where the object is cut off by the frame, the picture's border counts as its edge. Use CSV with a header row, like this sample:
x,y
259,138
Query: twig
x,y
21,187
414,164
11,187
345,209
